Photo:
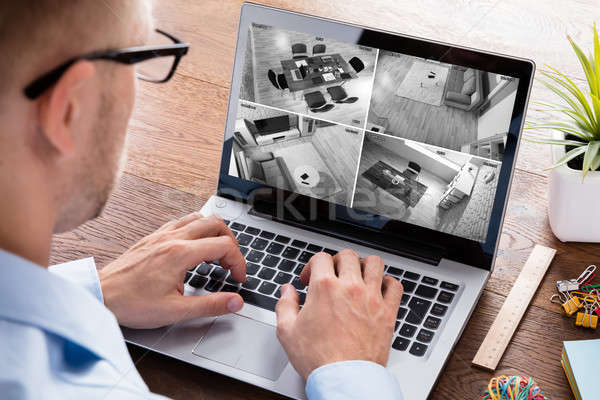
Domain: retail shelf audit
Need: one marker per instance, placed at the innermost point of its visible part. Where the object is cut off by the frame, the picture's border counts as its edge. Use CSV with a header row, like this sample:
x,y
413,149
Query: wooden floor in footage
x,y
174,151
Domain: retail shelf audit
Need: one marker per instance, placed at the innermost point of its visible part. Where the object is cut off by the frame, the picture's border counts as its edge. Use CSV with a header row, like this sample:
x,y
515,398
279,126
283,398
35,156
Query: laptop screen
x,y
391,134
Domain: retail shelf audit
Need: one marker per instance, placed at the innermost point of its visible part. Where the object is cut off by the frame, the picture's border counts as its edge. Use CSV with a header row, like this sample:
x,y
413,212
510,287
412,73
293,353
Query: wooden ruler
x,y
513,309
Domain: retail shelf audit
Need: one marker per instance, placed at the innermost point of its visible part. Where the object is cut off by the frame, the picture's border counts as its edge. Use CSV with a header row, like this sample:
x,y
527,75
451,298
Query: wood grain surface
x,y
174,151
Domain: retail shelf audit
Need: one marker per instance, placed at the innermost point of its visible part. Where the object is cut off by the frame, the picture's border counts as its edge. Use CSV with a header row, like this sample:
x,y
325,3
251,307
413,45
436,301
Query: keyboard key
x,y
449,286
282,239
291,253
252,230
267,235
394,271
299,269
237,226
259,244
409,286
405,299
203,269
274,248
244,250
411,275
418,349
314,248
429,281
278,292
426,291
425,336
258,299
213,285
255,256
418,310
251,268
286,265
299,243
301,298
407,330
445,297
330,251
218,274
439,310
271,261
251,283
198,281
267,287
400,343
282,278
243,239
266,273
188,275
229,288
432,322
396,326
297,283
305,256
402,312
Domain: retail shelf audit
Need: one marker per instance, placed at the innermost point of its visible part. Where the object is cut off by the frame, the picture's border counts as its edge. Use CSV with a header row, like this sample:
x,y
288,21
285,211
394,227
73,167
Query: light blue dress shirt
x,y
59,341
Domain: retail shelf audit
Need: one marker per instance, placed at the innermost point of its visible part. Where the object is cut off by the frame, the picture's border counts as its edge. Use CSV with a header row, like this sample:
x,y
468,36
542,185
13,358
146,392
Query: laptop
x,y
426,189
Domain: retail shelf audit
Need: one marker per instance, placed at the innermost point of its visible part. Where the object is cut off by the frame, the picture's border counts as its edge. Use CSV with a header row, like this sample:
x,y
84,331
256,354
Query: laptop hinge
x,y
391,243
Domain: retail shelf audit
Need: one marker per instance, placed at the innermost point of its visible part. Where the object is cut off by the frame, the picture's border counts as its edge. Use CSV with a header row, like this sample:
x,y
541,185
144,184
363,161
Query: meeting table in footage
x,y
390,134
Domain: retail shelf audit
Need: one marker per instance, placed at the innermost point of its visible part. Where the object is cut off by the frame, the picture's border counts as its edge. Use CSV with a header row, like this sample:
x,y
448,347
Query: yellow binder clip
x,y
569,304
587,319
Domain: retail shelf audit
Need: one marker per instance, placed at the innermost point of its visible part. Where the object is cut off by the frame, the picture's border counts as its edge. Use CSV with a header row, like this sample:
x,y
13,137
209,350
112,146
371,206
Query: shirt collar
x,y
32,295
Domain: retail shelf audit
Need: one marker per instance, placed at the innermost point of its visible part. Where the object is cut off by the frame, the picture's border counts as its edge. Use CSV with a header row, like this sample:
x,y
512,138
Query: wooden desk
x,y
175,143
312,65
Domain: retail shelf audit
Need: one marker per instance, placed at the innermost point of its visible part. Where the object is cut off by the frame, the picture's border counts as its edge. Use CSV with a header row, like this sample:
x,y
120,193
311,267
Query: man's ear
x,y
59,107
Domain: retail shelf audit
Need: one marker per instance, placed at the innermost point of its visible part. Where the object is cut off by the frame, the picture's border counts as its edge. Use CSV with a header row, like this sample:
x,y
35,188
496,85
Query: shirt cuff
x,y
81,272
352,380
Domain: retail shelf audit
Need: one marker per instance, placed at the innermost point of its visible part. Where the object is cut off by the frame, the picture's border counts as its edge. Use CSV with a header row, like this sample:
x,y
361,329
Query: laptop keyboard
x,y
273,260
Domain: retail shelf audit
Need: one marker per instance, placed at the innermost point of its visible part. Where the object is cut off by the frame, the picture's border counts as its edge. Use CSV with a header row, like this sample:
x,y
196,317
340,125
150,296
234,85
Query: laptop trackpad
x,y
245,344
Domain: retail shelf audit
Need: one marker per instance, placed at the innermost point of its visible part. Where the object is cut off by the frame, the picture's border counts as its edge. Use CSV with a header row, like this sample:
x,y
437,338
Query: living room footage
x,y
408,181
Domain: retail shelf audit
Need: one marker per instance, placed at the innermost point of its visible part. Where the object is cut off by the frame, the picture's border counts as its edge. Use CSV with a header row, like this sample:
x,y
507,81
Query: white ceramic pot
x,y
572,203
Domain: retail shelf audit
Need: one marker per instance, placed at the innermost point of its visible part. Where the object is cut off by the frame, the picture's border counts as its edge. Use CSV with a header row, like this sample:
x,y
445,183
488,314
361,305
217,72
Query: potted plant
x,y
574,180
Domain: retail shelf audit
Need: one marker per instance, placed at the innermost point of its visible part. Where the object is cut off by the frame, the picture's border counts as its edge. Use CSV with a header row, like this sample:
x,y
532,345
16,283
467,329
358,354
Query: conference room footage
x,y
304,74
450,106
425,185
298,153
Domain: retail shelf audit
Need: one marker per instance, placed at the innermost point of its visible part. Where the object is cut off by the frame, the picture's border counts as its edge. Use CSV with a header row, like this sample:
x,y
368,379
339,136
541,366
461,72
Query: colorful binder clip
x,y
569,303
586,318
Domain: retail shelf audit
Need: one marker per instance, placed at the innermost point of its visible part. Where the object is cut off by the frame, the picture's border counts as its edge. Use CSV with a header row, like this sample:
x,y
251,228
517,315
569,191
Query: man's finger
x,y
373,268
210,305
392,292
319,266
347,265
178,223
222,248
287,308
205,227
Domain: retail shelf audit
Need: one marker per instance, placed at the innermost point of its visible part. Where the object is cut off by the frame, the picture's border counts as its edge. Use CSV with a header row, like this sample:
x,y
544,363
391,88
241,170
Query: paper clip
x,y
587,319
584,278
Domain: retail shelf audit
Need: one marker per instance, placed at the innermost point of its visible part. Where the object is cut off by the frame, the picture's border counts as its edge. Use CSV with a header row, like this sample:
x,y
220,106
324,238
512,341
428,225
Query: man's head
x,y
66,146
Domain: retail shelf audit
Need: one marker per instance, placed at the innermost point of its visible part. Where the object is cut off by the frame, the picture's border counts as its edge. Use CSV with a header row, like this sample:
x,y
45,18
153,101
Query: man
x,y
61,141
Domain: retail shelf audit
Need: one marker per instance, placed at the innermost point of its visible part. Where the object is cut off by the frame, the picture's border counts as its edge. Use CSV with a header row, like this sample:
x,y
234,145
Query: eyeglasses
x,y
158,63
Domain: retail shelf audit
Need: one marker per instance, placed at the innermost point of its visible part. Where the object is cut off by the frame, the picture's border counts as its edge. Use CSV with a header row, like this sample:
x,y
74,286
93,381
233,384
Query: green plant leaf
x,y
557,142
597,61
573,89
564,128
587,68
595,162
569,156
590,154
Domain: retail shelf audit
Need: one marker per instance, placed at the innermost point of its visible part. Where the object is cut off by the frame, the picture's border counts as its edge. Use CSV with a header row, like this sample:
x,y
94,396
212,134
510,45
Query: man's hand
x,y
144,287
349,314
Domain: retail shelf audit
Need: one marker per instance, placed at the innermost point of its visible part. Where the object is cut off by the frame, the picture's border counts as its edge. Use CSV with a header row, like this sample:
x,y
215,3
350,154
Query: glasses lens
x,y
155,69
